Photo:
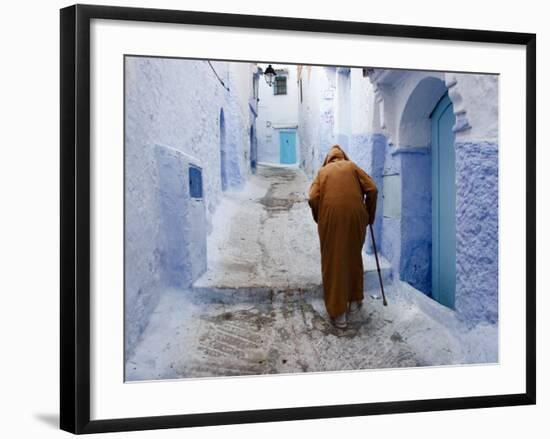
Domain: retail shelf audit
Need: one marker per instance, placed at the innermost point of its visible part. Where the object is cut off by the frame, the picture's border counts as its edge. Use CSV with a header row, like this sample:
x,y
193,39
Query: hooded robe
x,y
343,203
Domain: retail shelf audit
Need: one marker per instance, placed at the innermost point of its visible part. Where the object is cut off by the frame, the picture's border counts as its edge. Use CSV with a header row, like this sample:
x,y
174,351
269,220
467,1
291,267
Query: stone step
x,y
244,288
371,283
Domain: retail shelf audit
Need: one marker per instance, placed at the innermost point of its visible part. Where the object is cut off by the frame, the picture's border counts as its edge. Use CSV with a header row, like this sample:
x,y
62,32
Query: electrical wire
x,y
217,76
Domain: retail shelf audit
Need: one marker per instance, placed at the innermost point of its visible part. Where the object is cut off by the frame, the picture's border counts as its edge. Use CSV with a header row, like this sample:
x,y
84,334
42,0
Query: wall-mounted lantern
x,y
269,75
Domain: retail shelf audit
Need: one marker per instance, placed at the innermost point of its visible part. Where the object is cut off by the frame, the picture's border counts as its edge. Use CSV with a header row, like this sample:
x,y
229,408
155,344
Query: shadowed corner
x,y
50,419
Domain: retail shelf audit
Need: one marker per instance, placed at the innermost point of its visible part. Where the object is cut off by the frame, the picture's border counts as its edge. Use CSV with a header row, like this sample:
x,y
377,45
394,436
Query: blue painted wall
x,y
416,220
235,172
477,231
343,141
182,240
368,152
406,241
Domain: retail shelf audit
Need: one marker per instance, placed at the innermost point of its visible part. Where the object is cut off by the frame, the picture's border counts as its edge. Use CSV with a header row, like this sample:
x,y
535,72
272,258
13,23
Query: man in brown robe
x,y
343,203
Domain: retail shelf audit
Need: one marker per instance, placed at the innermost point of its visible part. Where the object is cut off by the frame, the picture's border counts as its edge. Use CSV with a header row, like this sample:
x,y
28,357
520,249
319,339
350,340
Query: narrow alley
x,y
222,263
258,308
270,244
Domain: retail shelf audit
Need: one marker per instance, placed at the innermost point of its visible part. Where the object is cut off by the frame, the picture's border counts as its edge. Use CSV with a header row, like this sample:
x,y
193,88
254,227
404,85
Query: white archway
x,y
414,120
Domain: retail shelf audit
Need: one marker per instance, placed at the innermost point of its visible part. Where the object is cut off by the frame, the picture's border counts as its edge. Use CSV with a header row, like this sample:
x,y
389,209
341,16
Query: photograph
x,y
286,218
275,220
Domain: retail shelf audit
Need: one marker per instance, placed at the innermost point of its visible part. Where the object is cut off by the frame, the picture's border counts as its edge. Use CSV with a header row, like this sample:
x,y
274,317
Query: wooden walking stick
x,y
378,265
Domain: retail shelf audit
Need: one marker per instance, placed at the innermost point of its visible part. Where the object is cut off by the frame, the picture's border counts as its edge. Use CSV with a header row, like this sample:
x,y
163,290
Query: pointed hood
x,y
335,153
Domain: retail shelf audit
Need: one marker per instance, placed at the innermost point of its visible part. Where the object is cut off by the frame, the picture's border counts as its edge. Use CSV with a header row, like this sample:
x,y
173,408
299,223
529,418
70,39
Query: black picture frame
x,y
75,217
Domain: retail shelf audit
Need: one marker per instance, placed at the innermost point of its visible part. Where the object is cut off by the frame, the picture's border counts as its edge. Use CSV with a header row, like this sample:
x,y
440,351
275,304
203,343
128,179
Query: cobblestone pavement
x,y
287,335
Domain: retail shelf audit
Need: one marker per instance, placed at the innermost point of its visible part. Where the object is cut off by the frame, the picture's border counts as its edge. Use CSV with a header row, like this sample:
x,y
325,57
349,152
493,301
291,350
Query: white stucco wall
x,y
362,101
392,90
241,80
474,97
309,111
342,114
316,116
475,100
278,111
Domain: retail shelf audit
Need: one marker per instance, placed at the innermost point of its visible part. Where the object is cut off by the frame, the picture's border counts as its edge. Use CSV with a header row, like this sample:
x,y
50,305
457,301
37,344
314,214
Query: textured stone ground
x,y
259,309
289,332
187,338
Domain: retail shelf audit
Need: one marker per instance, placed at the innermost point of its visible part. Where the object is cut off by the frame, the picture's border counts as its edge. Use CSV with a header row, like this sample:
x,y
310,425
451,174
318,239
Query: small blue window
x,y
195,181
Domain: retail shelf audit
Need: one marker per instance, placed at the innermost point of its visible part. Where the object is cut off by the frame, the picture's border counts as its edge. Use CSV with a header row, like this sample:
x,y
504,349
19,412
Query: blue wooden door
x,y
443,204
287,140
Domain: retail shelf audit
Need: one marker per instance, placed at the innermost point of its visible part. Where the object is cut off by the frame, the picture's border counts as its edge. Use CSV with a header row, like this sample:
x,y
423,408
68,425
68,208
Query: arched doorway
x,y
413,164
223,152
443,203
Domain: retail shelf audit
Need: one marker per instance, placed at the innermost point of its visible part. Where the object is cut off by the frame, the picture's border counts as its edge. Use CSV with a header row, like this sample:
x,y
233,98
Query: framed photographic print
x,y
258,212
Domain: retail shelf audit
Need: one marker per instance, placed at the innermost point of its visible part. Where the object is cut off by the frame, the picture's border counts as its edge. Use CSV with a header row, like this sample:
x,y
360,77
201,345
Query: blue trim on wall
x,y
410,150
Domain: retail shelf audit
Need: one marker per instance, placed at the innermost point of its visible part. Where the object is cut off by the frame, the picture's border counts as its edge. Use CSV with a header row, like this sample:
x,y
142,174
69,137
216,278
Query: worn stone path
x,y
259,310
186,338
265,238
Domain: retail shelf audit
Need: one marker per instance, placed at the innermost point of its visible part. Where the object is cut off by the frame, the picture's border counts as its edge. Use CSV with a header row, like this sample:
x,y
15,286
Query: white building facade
x,y
277,121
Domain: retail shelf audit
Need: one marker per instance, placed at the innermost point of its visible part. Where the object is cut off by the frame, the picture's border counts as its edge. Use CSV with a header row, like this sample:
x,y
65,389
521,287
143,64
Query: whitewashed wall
x,y
316,116
278,111
172,119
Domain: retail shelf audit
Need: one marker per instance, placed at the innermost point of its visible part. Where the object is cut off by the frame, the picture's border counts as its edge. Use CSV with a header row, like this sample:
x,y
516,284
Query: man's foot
x,y
340,321
355,306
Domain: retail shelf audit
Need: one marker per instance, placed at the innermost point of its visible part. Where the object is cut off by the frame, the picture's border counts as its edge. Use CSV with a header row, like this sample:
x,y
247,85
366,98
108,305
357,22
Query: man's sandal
x,y
340,321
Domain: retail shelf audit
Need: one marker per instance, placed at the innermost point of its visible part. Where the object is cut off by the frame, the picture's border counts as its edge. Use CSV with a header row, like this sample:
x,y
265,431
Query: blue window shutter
x,y
195,181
